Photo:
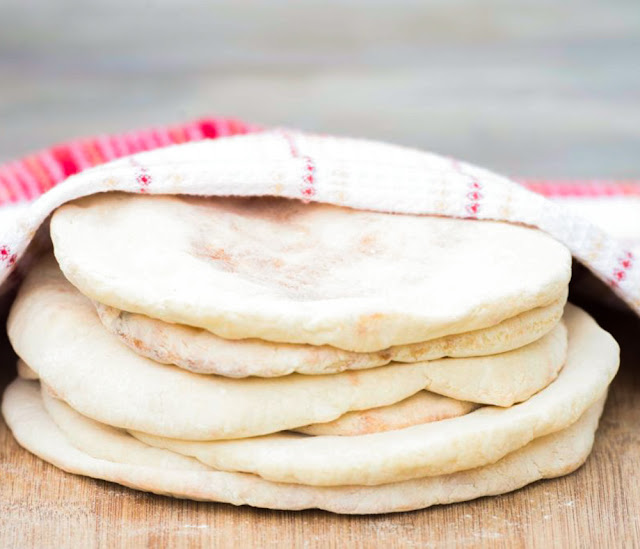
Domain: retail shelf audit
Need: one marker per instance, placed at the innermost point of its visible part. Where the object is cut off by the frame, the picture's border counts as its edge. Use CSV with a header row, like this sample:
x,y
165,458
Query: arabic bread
x,y
282,270
550,456
200,351
432,449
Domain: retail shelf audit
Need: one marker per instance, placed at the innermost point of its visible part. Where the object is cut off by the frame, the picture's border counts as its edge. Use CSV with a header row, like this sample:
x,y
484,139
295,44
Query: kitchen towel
x,y
597,220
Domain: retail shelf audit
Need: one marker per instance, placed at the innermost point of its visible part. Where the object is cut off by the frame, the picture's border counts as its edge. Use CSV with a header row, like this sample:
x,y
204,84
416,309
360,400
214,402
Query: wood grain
x,y
598,506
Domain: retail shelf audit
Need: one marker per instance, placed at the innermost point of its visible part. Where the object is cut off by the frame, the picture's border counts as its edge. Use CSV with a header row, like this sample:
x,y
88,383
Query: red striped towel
x,y
29,177
612,206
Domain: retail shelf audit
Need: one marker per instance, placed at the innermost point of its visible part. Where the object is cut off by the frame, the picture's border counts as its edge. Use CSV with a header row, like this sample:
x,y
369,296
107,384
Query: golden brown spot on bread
x,y
367,244
373,424
366,323
385,355
354,379
131,341
138,343
218,254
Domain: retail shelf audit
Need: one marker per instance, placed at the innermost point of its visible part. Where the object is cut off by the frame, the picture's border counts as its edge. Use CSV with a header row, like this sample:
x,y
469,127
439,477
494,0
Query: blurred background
x,y
535,88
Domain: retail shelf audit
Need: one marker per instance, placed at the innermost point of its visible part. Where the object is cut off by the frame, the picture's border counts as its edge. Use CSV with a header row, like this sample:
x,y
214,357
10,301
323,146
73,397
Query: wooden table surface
x,y
598,506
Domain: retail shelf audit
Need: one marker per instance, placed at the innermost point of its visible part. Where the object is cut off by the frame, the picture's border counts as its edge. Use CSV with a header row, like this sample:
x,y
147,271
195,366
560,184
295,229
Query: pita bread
x,y
437,448
502,379
550,456
510,334
56,330
281,270
423,407
102,440
200,351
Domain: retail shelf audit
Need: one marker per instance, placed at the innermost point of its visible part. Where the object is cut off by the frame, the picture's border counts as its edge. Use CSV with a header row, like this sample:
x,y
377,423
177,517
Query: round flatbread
x,y
102,440
198,350
503,379
282,270
201,351
510,334
438,448
105,453
423,407
56,330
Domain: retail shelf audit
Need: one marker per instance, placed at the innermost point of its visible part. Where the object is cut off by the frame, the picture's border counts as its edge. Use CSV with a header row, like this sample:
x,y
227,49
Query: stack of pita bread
x,y
289,355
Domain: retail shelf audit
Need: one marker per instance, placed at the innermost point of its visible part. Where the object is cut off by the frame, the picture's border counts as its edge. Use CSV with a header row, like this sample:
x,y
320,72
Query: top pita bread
x,y
281,270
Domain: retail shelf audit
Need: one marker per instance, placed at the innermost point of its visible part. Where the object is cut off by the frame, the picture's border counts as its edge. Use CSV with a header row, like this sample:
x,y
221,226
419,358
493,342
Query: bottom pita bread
x,y
550,456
